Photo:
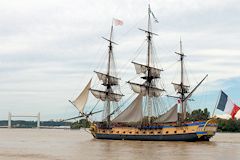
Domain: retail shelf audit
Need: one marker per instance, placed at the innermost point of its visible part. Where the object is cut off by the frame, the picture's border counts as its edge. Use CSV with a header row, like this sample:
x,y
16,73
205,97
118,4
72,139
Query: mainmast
x,y
149,39
148,88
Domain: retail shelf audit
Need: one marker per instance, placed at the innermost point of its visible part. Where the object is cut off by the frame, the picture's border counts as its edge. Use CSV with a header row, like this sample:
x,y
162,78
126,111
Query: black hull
x,y
174,137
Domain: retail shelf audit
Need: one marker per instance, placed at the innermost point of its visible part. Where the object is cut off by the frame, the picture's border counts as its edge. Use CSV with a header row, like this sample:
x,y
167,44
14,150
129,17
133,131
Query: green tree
x,y
198,115
228,125
82,123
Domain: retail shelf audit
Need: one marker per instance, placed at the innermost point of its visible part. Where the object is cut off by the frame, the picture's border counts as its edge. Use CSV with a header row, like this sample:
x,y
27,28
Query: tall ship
x,y
144,118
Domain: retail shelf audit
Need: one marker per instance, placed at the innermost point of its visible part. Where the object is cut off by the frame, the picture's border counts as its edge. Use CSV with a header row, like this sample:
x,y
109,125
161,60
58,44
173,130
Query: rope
x,y
86,130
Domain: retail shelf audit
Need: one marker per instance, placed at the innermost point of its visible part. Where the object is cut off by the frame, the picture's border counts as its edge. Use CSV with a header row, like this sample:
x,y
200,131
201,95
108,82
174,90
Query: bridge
x,y
10,116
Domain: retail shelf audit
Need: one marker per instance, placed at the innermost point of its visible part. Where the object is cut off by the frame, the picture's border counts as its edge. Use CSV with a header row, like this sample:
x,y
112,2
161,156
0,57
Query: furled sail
x,y
81,100
170,116
103,95
107,79
140,68
133,113
178,88
146,90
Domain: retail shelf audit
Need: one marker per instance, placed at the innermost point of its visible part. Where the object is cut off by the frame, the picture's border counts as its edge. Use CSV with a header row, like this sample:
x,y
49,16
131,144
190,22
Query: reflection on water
x,y
34,144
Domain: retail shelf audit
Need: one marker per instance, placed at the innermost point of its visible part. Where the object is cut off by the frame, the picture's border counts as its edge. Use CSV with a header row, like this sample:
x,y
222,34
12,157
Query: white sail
x,y
103,95
184,109
140,68
81,100
145,90
105,78
133,113
170,116
178,88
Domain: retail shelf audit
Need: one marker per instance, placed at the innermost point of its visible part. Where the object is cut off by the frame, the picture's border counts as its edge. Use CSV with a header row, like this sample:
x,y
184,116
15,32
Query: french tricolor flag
x,y
225,104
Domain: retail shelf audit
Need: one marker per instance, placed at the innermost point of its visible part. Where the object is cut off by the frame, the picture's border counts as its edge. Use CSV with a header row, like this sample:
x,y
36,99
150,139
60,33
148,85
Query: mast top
x,y
181,49
149,32
109,40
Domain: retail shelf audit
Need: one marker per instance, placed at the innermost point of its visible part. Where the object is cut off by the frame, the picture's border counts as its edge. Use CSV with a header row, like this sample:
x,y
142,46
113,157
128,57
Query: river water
x,y
58,144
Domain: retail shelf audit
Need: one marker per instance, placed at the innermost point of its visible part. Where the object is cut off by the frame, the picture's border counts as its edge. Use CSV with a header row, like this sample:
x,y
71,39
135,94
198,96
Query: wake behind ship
x,y
145,118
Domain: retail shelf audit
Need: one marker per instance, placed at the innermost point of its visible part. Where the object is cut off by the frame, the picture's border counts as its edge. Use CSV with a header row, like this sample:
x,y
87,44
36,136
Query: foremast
x,y
148,88
108,84
108,81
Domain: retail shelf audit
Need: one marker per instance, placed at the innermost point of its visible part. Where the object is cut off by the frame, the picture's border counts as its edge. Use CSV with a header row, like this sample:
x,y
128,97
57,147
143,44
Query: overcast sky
x,y
49,48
